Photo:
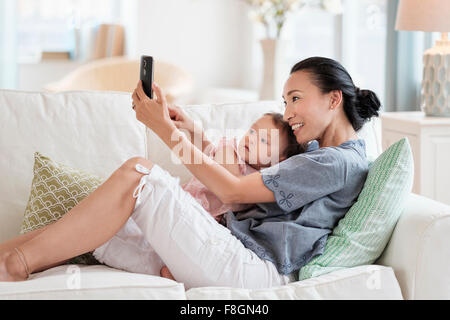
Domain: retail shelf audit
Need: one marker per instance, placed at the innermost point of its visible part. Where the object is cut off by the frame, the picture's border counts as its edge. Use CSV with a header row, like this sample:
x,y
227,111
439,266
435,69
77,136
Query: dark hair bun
x,y
367,103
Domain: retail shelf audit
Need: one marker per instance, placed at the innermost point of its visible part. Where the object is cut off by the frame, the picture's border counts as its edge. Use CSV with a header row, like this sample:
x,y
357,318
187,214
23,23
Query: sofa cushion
x,y
55,190
91,282
364,282
362,234
92,131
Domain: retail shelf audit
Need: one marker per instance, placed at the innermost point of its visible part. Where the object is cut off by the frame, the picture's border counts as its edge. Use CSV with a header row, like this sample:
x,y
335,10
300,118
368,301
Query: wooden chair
x,y
122,74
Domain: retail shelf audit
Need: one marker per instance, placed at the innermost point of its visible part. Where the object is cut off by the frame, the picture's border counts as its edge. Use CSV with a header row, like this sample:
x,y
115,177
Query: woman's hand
x,y
153,113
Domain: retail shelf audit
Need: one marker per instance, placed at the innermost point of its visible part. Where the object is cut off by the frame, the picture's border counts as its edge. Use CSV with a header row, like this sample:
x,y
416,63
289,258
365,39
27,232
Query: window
x,y
50,25
369,46
356,38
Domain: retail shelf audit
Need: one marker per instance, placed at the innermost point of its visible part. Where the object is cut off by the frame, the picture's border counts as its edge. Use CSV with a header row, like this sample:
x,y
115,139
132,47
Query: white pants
x,y
169,227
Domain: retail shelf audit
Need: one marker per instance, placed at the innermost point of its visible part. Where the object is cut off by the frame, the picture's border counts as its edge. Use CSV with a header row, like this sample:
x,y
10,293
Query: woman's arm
x,y
229,188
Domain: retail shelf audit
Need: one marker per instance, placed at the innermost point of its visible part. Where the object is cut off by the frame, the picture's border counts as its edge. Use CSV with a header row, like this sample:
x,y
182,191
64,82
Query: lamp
x,y
431,16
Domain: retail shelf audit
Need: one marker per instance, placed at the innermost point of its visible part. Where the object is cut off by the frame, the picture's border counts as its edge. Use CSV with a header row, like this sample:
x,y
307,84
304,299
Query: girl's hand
x,y
180,119
153,113
183,122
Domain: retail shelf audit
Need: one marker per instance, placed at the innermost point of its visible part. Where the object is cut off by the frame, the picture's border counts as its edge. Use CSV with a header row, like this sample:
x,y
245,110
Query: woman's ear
x,y
335,99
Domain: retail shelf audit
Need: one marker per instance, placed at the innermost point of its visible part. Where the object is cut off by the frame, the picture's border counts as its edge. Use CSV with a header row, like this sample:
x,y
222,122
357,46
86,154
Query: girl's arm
x,y
226,156
229,188
184,122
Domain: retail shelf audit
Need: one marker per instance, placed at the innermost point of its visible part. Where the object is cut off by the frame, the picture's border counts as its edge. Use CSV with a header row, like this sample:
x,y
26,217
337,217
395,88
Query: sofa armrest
x,y
418,250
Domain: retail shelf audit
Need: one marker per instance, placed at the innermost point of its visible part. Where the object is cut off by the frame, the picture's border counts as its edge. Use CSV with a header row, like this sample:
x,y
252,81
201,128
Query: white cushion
x,y
234,119
94,131
361,283
364,282
91,282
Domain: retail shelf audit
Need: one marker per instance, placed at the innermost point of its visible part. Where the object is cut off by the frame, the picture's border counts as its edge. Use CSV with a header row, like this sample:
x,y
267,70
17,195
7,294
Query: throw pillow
x,y
362,234
55,189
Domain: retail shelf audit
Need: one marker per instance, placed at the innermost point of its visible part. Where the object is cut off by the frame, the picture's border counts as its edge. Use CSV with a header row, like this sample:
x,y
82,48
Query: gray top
x,y
313,190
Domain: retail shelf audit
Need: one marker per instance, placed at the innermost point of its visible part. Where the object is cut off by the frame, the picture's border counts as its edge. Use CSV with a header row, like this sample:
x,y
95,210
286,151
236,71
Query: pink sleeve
x,y
234,144
241,162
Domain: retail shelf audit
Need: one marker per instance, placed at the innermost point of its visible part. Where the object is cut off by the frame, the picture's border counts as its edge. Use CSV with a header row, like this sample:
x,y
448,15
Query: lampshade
x,y
423,15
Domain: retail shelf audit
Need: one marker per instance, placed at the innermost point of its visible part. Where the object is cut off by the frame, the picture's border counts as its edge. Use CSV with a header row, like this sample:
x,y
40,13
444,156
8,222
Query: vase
x,y
274,68
435,91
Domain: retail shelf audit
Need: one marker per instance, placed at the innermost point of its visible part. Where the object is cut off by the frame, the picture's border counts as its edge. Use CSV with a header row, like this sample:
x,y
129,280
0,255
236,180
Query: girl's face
x,y
263,144
307,109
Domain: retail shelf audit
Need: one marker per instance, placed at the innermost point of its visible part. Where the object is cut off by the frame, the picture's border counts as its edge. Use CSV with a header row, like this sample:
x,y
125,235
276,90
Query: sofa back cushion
x,y
92,131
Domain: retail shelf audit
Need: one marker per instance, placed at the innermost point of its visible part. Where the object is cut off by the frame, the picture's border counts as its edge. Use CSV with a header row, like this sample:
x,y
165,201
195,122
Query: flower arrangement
x,y
273,13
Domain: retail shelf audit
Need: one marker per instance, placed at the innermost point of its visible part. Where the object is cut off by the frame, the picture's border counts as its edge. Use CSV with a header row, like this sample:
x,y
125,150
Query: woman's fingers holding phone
x,y
135,98
160,97
140,91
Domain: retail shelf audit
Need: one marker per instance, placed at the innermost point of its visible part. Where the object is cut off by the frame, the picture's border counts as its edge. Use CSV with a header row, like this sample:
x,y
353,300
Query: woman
x,y
298,202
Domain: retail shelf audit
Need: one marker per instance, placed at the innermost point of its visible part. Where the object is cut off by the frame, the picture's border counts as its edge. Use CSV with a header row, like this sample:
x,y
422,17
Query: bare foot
x,y
165,273
11,267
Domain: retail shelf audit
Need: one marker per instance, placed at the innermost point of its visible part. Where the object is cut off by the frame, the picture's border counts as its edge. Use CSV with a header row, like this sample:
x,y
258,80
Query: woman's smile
x,y
297,127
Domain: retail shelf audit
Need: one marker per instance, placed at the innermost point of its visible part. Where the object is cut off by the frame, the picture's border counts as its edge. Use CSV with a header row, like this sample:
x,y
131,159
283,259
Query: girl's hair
x,y
328,75
293,147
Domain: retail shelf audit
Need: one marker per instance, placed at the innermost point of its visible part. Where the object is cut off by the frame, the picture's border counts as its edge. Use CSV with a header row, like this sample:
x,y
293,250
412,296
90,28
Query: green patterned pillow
x,y
362,234
56,188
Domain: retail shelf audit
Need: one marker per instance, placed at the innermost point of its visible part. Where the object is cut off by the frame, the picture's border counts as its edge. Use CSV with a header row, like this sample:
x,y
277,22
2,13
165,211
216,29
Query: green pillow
x,y
362,234
56,188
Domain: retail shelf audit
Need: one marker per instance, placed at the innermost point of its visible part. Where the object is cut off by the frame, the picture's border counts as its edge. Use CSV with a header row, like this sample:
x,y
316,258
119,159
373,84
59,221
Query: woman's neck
x,y
339,131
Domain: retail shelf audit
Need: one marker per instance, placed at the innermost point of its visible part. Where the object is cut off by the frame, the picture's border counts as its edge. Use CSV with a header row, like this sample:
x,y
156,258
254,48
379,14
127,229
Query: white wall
x,y
8,52
210,38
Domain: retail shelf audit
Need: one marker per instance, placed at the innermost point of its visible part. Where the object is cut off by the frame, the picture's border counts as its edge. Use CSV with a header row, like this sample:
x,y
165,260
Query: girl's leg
x,y
165,273
88,225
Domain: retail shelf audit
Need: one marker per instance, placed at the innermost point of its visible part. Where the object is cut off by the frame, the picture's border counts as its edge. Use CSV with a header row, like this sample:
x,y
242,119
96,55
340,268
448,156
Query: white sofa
x,y
98,131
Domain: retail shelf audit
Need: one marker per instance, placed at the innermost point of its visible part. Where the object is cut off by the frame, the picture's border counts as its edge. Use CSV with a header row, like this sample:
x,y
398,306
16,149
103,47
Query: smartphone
x,y
146,75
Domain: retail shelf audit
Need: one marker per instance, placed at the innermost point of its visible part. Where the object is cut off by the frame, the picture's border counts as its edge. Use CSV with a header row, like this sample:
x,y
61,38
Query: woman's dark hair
x,y
293,147
328,74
